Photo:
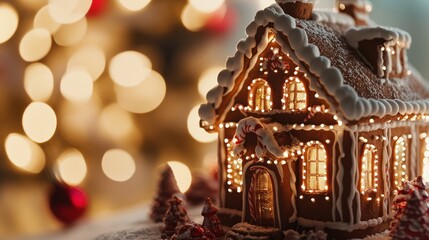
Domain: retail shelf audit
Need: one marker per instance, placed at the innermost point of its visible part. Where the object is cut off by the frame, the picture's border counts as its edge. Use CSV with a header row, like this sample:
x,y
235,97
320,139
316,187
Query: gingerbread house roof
x,y
320,45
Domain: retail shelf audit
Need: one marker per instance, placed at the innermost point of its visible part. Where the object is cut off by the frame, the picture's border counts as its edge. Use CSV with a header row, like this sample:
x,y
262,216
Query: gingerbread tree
x,y
176,216
211,221
420,186
414,223
399,203
167,188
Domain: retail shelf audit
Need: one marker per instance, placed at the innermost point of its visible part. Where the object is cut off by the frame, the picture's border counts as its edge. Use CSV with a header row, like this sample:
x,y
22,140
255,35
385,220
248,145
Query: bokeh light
x,y
71,34
43,19
129,68
35,44
71,167
208,80
134,5
38,82
39,122
196,131
206,6
145,97
8,21
89,58
192,19
182,174
76,86
118,165
264,3
69,11
24,153
115,123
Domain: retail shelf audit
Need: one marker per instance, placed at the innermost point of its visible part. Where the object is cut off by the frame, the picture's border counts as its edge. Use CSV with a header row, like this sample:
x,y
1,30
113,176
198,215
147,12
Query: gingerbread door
x,y
263,198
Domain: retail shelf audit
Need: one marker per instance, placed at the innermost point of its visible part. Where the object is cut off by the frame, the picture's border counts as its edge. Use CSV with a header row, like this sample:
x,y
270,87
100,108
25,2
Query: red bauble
x,y
222,20
97,7
67,203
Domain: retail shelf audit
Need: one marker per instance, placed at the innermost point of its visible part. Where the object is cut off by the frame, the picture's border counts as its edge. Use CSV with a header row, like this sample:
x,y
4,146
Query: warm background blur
x,y
101,101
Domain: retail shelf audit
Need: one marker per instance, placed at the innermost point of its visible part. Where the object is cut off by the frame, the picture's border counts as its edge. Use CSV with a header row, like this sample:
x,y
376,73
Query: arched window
x,y
294,95
400,161
260,95
369,172
314,168
264,198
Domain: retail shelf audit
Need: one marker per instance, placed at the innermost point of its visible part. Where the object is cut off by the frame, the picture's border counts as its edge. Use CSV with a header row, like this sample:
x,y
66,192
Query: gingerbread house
x,y
320,118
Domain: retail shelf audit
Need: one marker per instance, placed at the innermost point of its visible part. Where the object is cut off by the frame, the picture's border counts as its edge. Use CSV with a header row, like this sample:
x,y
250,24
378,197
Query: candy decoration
x,y
67,203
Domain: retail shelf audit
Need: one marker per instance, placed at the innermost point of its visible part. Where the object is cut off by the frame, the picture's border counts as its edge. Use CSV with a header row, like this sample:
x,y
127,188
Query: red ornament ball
x,y
97,7
67,203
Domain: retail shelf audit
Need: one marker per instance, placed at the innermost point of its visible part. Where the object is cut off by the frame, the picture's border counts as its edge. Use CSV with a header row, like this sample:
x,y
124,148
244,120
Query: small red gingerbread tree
x,y
176,216
167,187
414,223
211,221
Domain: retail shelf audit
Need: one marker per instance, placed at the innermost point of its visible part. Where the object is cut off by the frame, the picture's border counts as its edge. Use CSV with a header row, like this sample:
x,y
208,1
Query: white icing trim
x,y
332,17
375,126
354,179
351,105
415,148
319,225
391,35
387,154
340,175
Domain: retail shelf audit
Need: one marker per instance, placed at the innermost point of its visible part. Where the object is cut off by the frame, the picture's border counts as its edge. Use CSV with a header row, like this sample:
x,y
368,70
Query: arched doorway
x,y
263,198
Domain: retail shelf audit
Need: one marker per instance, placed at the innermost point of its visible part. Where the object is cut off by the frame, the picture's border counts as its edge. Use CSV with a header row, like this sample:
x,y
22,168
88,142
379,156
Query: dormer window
x,y
260,96
294,95
384,49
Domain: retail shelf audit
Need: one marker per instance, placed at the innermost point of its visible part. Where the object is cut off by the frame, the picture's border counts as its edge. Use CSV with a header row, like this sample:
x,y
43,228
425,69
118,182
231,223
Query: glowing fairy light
x,y
38,82
129,68
24,153
39,122
145,97
194,129
70,11
115,123
182,174
71,34
192,19
118,165
76,86
134,5
71,167
208,80
90,59
43,19
35,44
8,21
206,6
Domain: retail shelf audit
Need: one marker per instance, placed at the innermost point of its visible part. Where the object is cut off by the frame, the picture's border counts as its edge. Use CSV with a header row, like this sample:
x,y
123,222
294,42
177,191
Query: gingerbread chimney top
x,y
358,9
301,9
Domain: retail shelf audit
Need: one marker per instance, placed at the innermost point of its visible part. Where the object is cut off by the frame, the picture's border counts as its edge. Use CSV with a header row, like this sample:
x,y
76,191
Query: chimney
x,y
358,9
301,9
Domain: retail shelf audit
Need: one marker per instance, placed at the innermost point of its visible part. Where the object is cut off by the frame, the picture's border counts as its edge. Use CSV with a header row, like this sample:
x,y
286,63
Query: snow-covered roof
x,y
352,89
390,34
332,17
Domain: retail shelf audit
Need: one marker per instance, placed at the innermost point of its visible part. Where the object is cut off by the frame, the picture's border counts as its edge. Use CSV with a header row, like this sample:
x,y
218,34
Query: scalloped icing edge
x,y
350,105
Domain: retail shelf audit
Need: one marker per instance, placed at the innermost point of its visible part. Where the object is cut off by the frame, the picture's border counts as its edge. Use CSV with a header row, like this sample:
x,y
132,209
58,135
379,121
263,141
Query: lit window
x,y
369,168
294,95
314,169
400,161
260,95
234,168
425,162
